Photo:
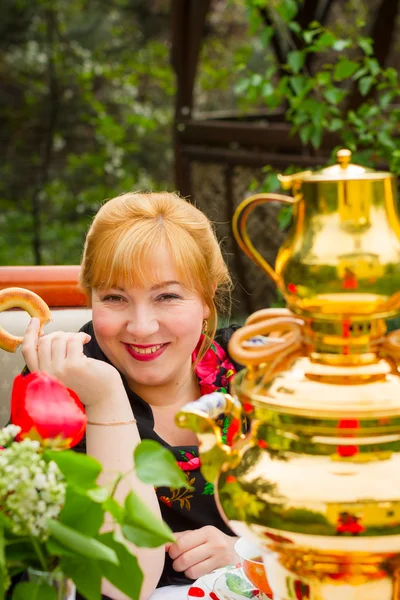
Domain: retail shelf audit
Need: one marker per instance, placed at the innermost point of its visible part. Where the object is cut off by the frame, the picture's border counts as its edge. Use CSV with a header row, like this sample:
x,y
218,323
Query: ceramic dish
x,y
204,586
234,585
228,583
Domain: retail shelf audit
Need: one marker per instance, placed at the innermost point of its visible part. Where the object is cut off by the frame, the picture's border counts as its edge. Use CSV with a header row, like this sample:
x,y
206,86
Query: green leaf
x,y
81,513
112,506
316,136
287,9
80,543
340,45
344,68
323,77
2,548
366,45
141,526
79,469
128,576
98,494
392,76
373,66
299,84
242,86
385,99
266,35
294,26
239,585
208,489
34,591
20,552
156,465
296,60
3,582
326,40
267,89
255,79
285,217
305,133
386,141
365,84
86,574
335,124
310,34
334,95
56,549
360,73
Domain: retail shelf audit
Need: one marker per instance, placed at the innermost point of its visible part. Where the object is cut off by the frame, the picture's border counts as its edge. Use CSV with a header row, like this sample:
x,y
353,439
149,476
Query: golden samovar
x,y
316,479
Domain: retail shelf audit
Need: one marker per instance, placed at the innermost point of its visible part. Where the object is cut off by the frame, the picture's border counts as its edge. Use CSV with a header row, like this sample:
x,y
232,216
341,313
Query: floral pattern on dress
x,y
183,496
214,372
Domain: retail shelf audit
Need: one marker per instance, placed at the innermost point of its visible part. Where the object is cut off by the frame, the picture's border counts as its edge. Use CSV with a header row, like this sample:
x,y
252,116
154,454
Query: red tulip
x,y
47,411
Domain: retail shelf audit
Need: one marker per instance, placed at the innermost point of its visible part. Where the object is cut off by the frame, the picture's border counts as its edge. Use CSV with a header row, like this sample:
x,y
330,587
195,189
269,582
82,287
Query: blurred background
x,y
207,97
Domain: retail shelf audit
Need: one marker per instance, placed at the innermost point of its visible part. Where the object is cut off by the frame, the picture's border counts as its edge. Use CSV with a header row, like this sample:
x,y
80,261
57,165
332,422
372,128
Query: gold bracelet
x,y
106,423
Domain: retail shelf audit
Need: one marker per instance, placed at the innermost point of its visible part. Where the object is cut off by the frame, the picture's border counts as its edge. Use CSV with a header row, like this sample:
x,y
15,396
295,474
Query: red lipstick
x,y
145,357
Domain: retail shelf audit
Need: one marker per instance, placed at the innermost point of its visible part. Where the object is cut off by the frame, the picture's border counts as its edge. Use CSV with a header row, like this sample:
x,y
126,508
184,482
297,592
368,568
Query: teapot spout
x,y
294,180
200,416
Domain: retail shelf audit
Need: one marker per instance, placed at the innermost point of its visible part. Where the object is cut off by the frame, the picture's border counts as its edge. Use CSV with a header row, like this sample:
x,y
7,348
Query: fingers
x,y
74,350
30,345
188,560
202,568
198,552
186,540
52,352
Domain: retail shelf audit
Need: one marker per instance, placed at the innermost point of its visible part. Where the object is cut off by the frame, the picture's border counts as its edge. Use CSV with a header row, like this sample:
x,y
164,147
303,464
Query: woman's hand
x,y
60,354
199,552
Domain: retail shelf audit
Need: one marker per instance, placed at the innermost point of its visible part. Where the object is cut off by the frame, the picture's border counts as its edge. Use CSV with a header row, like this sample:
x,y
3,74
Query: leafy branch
x,y
318,102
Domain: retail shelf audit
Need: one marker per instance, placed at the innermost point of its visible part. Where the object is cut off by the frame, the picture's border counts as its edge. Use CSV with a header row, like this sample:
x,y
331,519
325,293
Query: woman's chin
x,y
149,379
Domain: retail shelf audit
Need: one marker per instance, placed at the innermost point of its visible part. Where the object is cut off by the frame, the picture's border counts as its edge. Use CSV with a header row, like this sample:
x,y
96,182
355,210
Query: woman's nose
x,y
142,324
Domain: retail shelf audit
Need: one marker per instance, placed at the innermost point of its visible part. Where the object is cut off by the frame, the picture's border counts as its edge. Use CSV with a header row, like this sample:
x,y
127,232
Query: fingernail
x,y
35,321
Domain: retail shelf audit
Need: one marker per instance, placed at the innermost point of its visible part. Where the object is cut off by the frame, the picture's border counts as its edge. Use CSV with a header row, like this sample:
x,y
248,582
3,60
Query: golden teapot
x,y
344,245
315,481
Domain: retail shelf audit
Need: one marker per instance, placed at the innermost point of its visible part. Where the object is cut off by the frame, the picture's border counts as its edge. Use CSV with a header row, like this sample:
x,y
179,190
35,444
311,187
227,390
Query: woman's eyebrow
x,y
163,284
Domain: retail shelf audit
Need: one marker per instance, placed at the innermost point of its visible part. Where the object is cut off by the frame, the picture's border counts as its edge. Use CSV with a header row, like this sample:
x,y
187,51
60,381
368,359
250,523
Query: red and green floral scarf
x,y
214,372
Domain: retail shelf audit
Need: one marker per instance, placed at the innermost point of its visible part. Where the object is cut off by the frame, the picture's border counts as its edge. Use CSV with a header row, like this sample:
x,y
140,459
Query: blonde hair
x,y
127,235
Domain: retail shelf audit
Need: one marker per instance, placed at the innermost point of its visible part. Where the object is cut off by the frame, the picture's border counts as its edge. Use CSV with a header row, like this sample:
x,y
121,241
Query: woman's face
x,y
149,333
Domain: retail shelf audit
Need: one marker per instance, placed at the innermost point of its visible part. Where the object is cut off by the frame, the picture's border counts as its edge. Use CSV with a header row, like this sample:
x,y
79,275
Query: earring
x,y
204,328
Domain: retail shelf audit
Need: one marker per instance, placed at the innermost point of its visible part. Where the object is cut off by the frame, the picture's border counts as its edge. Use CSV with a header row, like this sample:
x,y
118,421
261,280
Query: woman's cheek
x,y
104,325
187,322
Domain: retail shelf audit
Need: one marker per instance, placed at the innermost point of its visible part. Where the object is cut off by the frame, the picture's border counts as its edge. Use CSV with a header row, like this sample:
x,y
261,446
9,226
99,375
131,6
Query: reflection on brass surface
x,y
315,478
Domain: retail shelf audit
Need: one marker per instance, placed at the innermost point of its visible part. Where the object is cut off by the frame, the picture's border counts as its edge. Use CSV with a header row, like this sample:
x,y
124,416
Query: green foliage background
x,y
87,97
86,106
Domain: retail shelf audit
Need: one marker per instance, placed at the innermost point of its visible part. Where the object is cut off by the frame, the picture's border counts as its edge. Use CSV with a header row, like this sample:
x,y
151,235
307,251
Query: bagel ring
x,y
15,297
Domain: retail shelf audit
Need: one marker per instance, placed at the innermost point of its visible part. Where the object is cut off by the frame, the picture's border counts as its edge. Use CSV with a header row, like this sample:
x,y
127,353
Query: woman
x,y
154,276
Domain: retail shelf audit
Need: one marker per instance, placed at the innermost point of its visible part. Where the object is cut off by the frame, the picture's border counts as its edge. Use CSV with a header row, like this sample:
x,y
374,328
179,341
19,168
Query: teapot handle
x,y
199,416
240,232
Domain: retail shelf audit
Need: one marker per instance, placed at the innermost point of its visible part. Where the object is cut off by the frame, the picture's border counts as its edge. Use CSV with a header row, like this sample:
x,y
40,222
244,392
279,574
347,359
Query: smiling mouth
x,y
148,350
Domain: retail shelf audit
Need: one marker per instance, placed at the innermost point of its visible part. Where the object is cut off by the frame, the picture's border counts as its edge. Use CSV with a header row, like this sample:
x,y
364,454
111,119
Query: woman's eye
x,y
166,297
112,298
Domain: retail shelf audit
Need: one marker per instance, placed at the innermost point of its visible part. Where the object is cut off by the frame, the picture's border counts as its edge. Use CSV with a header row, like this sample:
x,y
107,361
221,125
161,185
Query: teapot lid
x,y
344,170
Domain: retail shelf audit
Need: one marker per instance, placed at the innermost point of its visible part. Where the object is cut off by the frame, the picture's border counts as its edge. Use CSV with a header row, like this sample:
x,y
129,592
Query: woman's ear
x,y
206,311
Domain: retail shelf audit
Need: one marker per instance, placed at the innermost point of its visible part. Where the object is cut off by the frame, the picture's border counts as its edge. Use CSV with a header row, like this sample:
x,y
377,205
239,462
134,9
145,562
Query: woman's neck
x,y
175,393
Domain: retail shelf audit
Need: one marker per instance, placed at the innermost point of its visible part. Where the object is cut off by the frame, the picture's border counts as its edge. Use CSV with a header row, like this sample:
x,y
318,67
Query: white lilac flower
x,y
7,434
31,490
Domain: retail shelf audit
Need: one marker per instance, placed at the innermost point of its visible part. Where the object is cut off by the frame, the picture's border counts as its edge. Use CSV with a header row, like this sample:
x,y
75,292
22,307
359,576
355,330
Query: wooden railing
x,y
57,285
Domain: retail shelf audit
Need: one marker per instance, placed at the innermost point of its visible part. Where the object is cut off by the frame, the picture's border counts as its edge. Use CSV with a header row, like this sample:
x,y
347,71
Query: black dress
x,y
180,509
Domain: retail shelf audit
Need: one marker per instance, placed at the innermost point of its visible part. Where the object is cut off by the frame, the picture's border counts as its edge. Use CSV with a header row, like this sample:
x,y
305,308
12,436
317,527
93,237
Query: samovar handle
x,y
240,232
200,416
